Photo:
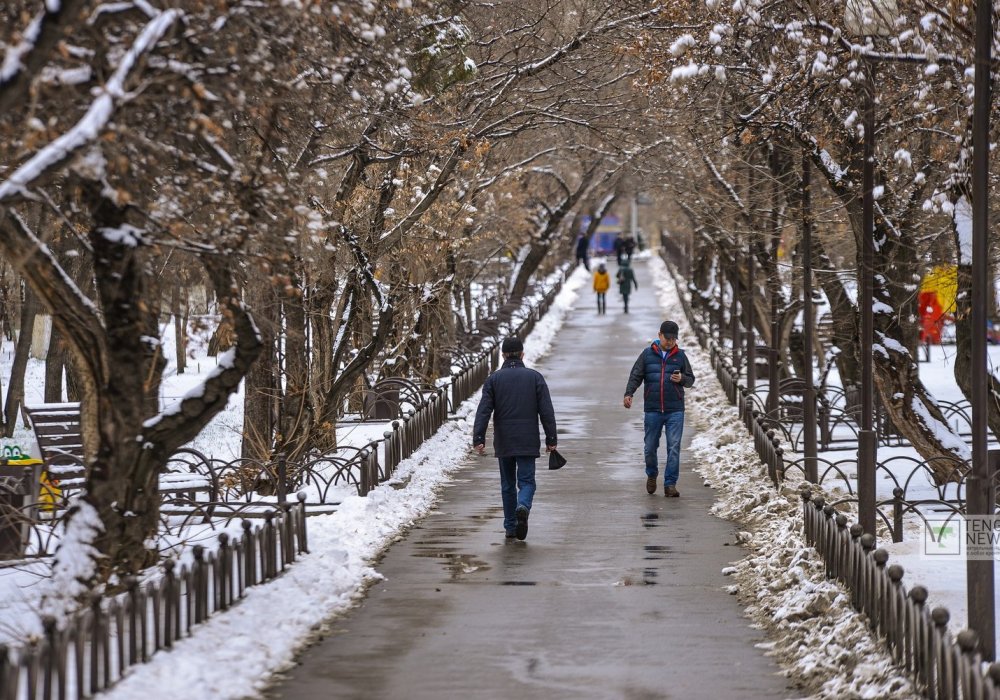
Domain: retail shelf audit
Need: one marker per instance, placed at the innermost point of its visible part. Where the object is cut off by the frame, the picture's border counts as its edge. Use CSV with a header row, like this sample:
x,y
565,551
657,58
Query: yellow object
x,y
602,281
942,280
49,493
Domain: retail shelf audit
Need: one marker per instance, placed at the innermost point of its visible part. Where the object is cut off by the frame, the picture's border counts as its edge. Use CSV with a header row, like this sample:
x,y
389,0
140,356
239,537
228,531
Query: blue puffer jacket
x,y
661,393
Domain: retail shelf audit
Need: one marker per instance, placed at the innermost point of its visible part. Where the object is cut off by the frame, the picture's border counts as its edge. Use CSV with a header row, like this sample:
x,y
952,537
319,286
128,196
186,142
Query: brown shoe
x,y
671,491
650,484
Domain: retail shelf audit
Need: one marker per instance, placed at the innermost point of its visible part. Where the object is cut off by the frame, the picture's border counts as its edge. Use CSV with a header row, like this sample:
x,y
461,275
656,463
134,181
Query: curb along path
x,y
615,593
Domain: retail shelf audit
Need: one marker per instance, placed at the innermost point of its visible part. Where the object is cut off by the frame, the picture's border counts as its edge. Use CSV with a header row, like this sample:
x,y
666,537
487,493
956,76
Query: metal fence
x,y
99,643
943,667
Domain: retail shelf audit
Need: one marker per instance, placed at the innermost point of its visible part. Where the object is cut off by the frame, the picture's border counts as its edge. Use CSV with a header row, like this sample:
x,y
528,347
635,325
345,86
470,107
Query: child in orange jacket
x,y
602,282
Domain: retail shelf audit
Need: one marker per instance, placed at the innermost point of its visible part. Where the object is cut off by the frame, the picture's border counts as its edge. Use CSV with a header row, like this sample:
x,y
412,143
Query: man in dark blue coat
x,y
666,372
516,397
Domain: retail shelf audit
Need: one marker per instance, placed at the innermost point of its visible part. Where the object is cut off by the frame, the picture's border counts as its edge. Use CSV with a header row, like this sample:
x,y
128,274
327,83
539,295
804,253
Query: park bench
x,y
186,493
60,444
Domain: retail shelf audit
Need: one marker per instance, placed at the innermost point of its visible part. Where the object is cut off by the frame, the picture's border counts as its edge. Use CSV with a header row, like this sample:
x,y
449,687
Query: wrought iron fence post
x,y
250,554
365,478
200,604
993,674
49,655
270,550
169,583
225,571
942,657
8,674
897,514
282,476
95,645
867,574
302,519
895,628
920,653
842,554
829,513
969,678
132,586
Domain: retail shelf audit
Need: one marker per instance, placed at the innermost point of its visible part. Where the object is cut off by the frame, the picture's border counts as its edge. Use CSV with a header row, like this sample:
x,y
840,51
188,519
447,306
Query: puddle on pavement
x,y
438,553
650,519
655,551
458,565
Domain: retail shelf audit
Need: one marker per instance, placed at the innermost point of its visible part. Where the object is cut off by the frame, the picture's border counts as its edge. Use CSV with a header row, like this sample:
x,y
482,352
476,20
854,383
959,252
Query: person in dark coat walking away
x,y
628,247
666,372
619,245
517,398
626,278
582,252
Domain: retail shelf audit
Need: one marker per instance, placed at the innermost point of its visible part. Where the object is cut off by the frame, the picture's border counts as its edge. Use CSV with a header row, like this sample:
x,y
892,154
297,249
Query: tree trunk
x,y
180,328
536,253
22,351
54,363
260,388
296,407
122,473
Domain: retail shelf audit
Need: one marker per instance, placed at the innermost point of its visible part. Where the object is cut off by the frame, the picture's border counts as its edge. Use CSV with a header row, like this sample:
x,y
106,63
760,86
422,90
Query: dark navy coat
x,y
516,397
661,393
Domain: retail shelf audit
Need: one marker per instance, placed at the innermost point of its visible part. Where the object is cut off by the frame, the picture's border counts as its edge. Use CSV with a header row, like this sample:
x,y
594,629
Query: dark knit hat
x,y
511,345
669,329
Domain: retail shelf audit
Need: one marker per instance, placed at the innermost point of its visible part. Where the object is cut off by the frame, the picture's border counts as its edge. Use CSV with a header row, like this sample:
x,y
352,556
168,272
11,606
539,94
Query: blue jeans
x,y
654,423
517,486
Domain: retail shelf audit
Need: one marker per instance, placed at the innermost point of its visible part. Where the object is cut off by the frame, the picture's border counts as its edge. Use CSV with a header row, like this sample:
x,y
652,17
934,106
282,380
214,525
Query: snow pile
x,y
75,562
821,642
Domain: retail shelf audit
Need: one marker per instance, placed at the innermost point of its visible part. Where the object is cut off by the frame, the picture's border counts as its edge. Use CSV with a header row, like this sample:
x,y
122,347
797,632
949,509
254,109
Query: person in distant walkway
x,y
582,252
626,278
619,245
628,247
602,282
517,398
665,369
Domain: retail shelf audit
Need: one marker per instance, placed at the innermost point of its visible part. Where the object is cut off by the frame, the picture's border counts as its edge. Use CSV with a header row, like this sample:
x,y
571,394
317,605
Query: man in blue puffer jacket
x,y
665,369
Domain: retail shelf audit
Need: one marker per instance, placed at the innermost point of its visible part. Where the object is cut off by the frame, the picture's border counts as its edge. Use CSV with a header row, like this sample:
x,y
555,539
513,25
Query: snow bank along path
x,y
821,642
233,654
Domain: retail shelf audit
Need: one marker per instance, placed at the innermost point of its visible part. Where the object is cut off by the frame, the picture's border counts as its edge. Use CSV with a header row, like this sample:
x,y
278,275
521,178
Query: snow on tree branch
x,y
89,128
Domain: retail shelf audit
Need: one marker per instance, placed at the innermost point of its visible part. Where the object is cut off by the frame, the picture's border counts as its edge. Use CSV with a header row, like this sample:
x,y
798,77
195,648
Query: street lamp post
x,y
750,335
809,394
866,436
867,18
980,495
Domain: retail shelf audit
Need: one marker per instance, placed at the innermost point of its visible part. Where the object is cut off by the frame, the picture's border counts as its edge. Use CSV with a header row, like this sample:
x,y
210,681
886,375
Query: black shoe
x,y
650,484
671,491
508,534
521,529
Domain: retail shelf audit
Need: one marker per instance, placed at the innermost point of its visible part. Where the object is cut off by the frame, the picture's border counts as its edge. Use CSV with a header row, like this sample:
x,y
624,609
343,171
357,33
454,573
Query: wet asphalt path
x,y
615,593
